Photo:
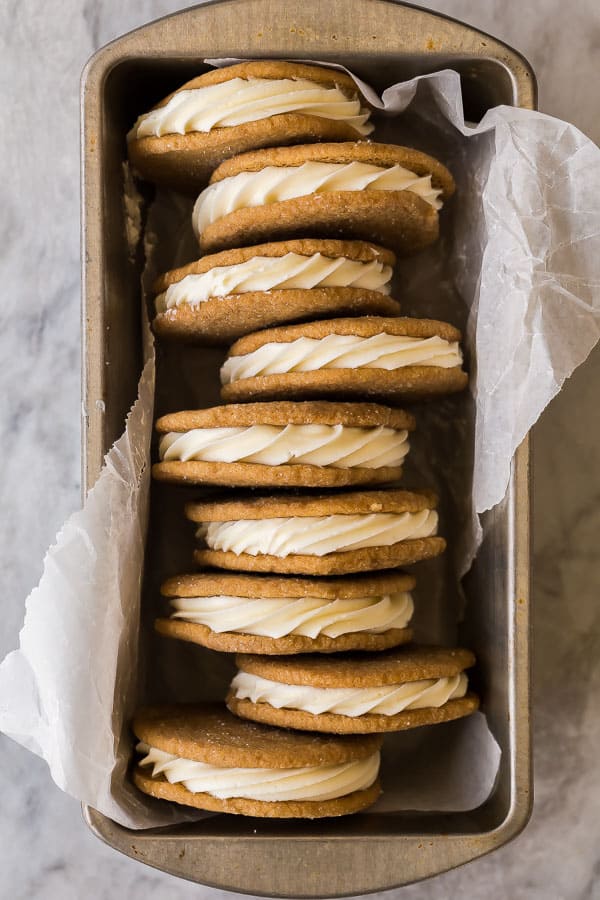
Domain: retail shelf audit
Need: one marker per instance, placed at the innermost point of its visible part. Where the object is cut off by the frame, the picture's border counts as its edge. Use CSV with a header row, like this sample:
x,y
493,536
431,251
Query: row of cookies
x,y
286,195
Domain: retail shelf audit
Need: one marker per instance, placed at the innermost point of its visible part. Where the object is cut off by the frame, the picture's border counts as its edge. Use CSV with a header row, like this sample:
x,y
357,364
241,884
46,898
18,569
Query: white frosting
x,y
339,446
317,535
387,700
305,616
266,273
272,184
271,785
340,351
241,100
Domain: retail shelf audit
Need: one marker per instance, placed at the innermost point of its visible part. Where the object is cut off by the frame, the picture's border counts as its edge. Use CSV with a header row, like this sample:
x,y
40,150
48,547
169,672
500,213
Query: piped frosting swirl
x,y
317,535
338,446
341,351
270,785
241,100
305,616
267,273
386,700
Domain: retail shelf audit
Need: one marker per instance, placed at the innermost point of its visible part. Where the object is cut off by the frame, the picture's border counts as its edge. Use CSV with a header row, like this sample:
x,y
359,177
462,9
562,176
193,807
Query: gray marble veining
x,y
45,850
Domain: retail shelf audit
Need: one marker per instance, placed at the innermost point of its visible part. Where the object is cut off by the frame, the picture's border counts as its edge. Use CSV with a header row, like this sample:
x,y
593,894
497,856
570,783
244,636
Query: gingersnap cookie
x,y
377,192
221,297
264,103
390,691
261,614
203,756
379,358
335,534
312,444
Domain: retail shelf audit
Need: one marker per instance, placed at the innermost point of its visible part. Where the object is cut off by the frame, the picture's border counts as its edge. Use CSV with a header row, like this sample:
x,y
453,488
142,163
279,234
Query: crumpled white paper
x,y
525,239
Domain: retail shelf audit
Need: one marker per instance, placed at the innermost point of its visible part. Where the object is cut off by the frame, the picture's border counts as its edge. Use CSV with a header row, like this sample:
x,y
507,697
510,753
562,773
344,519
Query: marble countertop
x,y
46,851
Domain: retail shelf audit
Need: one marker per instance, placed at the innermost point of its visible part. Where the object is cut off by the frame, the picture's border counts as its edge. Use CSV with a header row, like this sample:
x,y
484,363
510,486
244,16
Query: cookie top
x,y
235,415
264,587
382,155
362,326
282,505
209,733
271,68
358,251
360,670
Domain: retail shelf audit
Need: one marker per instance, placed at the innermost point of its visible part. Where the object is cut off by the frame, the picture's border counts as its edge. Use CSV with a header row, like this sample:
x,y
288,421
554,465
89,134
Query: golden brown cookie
x,y
355,802
185,161
361,694
209,735
254,614
303,201
284,444
284,505
230,642
334,534
229,312
346,368
365,560
397,667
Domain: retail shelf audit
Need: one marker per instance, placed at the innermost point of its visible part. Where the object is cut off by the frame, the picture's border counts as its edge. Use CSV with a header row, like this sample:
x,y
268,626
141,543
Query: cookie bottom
x,y
408,383
307,809
233,642
367,559
400,220
241,474
221,320
185,162
332,723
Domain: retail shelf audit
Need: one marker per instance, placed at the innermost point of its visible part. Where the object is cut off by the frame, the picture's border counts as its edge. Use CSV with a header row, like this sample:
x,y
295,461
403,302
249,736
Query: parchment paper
x,y
518,268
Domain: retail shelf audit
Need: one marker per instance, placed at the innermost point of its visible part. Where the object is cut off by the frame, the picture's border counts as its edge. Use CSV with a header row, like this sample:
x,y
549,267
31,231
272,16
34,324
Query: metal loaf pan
x,y
385,42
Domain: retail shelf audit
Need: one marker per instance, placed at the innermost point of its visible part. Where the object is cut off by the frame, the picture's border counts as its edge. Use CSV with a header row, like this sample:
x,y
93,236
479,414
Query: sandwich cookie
x,y
227,111
225,295
262,614
380,358
334,534
312,444
379,192
389,691
203,756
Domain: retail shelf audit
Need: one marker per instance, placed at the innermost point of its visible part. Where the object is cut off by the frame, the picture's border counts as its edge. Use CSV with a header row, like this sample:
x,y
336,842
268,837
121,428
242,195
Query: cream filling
x,y
274,184
267,273
305,616
339,446
317,535
387,700
271,785
340,351
242,100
